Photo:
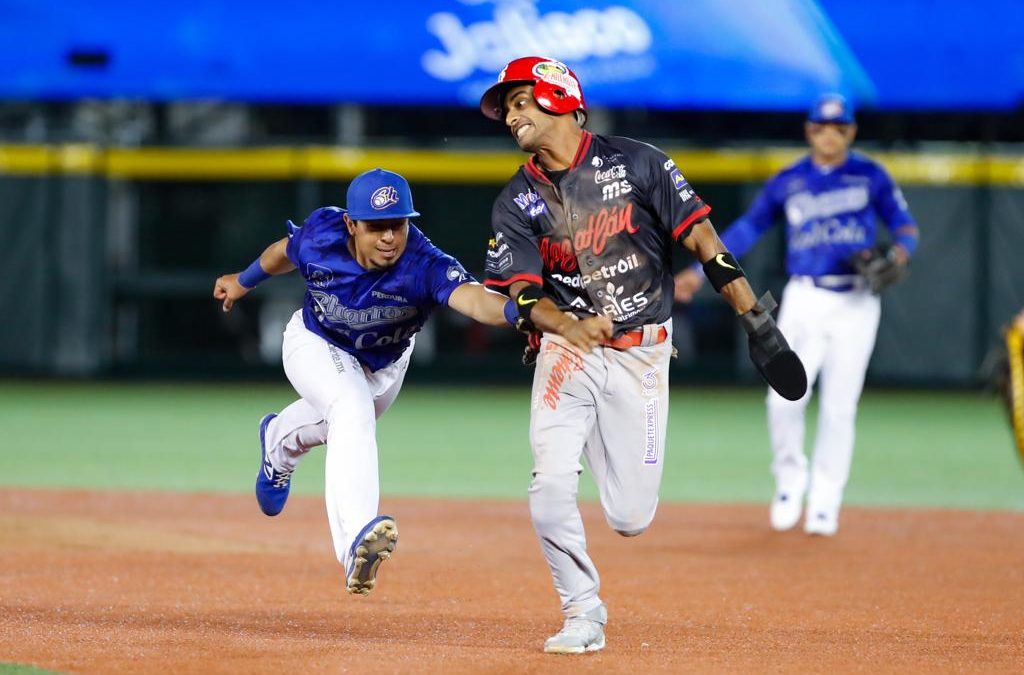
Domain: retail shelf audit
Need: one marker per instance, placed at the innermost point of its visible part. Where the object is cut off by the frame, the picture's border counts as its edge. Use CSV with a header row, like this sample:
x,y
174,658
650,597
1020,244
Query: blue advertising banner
x,y
697,54
937,54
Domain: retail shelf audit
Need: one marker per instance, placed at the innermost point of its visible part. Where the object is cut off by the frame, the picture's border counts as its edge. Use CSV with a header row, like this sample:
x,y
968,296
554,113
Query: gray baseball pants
x,y
610,407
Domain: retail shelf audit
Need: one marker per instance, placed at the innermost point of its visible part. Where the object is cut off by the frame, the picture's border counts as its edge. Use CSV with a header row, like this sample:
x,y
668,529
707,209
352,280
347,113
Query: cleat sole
x,y
376,546
563,649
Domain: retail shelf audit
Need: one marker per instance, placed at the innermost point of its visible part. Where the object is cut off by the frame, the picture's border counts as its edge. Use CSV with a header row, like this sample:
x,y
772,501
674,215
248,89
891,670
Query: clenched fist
x,y
228,289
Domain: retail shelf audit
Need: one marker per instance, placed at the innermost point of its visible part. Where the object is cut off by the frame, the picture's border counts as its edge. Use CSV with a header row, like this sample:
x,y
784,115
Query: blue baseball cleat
x,y
271,485
373,545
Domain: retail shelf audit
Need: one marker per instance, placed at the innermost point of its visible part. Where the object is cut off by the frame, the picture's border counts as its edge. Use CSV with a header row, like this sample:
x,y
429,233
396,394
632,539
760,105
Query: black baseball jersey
x,y
599,241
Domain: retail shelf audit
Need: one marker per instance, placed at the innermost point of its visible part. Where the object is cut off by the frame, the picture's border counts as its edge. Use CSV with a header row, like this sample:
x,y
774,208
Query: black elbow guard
x,y
722,269
527,298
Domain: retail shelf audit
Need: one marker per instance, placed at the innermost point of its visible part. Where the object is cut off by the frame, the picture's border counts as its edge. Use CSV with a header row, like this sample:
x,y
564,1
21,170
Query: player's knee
x,y
552,498
630,522
551,458
555,485
358,421
632,528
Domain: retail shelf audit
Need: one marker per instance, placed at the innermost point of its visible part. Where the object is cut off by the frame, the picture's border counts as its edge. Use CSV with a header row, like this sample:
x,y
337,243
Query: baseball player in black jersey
x,y
583,237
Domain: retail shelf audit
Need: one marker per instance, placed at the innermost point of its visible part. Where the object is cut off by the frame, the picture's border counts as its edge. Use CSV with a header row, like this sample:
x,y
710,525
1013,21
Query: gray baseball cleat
x,y
579,634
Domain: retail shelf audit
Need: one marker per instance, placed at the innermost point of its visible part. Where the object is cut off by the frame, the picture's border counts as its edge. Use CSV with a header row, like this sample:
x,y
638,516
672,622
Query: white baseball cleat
x,y
822,522
785,510
579,634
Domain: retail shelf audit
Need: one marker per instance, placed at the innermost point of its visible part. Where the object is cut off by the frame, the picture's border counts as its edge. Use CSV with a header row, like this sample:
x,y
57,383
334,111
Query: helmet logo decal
x,y
557,74
832,109
553,68
384,197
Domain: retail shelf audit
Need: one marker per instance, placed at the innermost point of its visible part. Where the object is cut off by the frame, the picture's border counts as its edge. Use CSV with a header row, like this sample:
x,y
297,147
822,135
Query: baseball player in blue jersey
x,y
372,280
832,201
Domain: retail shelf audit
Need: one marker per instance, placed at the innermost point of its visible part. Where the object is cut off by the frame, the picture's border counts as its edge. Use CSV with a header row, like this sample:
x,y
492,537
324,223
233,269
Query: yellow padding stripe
x,y
202,163
425,166
453,166
1015,348
47,159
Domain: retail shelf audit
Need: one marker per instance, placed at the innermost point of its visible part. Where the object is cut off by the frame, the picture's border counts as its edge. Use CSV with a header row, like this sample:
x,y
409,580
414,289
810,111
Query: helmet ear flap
x,y
554,99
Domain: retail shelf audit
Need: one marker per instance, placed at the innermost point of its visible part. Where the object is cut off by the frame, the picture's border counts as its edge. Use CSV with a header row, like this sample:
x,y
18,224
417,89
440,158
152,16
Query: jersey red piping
x,y
690,219
581,151
532,278
534,170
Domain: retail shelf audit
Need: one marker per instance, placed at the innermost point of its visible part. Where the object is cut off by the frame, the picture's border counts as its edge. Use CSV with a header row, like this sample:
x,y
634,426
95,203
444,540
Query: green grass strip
x,y
946,449
23,669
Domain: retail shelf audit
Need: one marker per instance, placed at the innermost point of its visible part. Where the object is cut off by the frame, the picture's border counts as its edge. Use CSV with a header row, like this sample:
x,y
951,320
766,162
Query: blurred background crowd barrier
x,y
143,154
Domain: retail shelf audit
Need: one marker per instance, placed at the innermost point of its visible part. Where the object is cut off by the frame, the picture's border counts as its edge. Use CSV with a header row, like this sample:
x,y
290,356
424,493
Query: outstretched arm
x,y
273,261
494,309
473,300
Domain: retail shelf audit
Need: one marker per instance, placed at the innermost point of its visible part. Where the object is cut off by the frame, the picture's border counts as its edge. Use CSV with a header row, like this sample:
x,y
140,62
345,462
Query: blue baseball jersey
x,y
830,213
371,314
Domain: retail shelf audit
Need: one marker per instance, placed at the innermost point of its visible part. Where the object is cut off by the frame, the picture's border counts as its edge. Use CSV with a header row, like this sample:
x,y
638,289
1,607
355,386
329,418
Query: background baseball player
x,y
372,280
587,226
832,200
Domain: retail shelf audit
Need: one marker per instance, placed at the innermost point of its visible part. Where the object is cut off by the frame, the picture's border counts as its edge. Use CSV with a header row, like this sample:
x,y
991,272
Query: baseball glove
x,y
879,266
1010,381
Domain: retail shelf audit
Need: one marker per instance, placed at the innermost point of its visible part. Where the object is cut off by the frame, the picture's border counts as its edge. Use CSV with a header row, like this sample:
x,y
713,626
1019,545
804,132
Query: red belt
x,y
635,338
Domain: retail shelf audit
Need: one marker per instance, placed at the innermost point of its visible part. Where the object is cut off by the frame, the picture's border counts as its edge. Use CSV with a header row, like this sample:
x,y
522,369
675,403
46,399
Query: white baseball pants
x,y
833,333
339,405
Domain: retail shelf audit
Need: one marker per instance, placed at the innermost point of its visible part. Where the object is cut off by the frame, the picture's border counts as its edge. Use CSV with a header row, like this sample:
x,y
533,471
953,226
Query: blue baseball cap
x,y
831,109
379,194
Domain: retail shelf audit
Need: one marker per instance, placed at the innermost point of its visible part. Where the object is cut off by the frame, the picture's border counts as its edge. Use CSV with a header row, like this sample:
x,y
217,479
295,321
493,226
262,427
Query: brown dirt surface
x,y
152,583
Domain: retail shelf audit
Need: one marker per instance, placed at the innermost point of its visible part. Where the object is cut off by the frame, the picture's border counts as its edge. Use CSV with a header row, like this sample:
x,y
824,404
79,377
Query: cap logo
x,y
831,109
384,197
556,73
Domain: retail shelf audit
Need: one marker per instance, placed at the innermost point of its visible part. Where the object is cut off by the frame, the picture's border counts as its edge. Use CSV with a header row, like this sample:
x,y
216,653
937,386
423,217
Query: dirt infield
x,y
144,583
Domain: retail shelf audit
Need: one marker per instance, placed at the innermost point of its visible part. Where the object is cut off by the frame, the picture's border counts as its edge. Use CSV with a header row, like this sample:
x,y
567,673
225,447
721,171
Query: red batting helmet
x,y
555,87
